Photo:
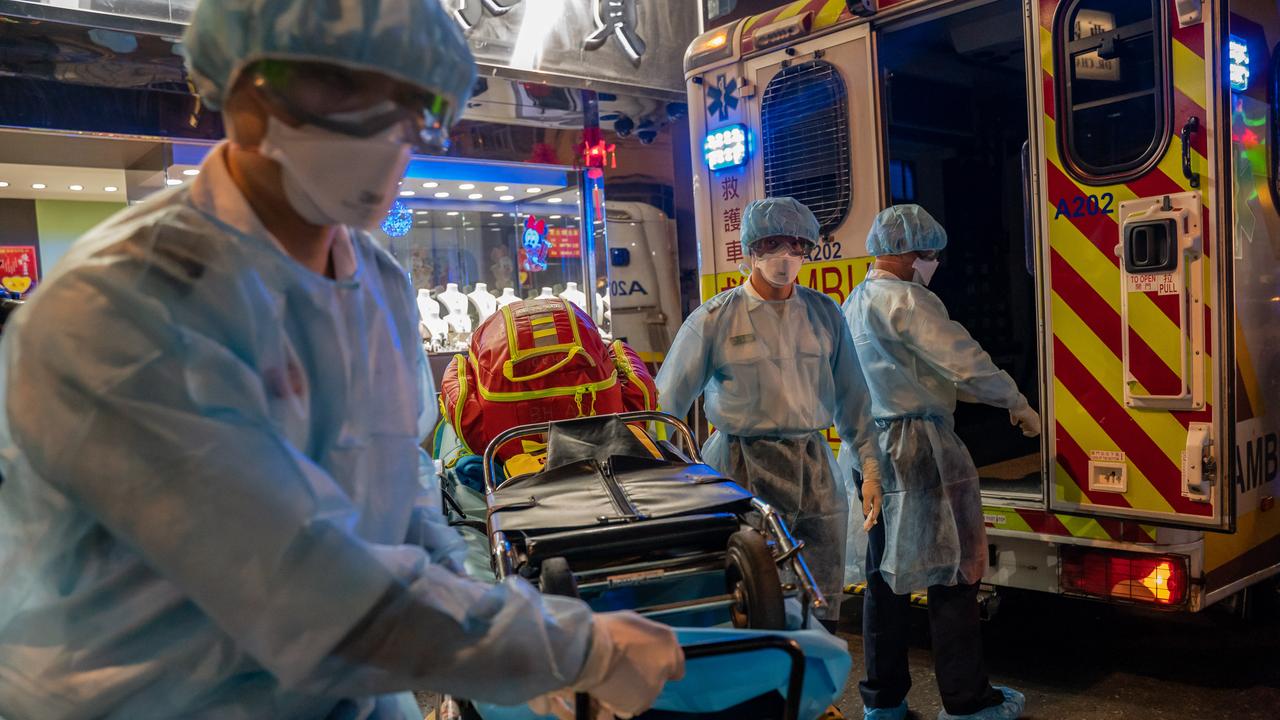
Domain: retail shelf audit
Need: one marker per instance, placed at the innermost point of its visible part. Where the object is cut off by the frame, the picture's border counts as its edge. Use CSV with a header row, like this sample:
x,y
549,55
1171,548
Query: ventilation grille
x,y
805,119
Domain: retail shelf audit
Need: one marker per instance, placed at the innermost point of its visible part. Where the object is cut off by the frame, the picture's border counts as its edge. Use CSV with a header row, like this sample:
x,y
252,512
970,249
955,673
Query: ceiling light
x,y
501,188
554,217
423,212
442,194
77,188
407,193
110,188
507,198
555,200
37,186
452,213
191,173
533,190
3,184
430,185
475,196
467,186
499,215
173,181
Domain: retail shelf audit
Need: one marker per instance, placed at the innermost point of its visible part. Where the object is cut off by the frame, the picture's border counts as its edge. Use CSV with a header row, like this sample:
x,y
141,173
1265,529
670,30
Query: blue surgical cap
x,y
776,216
903,229
414,41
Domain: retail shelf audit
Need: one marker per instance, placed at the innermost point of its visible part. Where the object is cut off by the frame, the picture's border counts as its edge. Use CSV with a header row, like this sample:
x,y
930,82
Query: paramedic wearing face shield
x,y
776,364
215,503
930,534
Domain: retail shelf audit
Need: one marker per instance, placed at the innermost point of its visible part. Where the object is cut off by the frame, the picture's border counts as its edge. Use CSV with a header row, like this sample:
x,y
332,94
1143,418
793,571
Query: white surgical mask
x,y
335,179
924,270
779,269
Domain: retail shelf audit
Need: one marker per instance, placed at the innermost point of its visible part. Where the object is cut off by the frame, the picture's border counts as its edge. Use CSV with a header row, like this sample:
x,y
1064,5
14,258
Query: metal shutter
x,y
805,121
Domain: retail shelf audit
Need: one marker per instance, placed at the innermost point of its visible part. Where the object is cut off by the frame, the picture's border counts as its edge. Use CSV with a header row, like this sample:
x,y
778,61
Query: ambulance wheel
x,y
751,577
557,578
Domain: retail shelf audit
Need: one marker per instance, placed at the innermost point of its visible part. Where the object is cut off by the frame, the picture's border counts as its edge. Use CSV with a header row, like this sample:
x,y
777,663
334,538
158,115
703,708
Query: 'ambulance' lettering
x,y
1259,464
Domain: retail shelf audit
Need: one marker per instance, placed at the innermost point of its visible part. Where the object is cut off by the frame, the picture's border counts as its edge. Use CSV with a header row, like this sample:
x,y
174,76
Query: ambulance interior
x,y
955,104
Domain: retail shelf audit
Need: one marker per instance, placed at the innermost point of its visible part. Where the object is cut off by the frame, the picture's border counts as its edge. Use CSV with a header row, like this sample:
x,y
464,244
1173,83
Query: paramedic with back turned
x,y
215,504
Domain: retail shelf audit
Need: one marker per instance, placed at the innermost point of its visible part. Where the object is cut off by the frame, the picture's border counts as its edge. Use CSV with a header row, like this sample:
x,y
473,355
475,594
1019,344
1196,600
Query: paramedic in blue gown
x,y
215,503
776,366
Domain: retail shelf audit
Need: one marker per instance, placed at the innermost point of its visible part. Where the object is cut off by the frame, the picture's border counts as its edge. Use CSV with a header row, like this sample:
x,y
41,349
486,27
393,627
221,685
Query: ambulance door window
x,y
1112,94
1273,120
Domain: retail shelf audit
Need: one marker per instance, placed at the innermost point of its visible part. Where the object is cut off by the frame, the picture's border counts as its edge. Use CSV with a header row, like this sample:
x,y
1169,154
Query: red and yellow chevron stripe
x,y
1042,523
826,14
1089,328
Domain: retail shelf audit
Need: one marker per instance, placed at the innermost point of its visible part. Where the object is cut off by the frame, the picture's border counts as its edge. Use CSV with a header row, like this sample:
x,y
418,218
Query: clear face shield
x,y
355,103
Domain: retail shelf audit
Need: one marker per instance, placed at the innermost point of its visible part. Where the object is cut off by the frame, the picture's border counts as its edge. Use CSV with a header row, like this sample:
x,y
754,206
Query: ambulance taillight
x,y
1159,580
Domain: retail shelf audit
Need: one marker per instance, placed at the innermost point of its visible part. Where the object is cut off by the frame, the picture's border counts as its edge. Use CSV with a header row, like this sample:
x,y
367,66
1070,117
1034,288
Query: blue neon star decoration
x,y
399,221
723,97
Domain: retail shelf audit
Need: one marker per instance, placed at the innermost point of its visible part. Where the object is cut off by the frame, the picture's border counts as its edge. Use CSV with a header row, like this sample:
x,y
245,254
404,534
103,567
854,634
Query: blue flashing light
x,y
1238,56
726,147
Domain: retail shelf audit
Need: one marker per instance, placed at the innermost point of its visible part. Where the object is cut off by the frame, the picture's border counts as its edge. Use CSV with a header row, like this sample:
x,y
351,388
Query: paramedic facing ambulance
x,y
776,364
215,503
931,533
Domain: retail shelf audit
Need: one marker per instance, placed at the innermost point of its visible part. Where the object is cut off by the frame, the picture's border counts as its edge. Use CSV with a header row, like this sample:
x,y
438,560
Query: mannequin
x,y
507,297
483,301
574,295
546,294
433,328
456,303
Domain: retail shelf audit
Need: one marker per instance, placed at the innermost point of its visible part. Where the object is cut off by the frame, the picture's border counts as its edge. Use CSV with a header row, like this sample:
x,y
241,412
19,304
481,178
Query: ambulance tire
x,y
557,579
751,577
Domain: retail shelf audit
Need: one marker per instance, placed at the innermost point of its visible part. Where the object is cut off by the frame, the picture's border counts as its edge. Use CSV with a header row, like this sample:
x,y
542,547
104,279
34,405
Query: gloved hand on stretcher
x,y
630,661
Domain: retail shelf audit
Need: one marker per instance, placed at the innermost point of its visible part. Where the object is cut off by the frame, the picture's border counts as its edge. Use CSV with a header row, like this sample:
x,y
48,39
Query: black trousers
x,y
955,626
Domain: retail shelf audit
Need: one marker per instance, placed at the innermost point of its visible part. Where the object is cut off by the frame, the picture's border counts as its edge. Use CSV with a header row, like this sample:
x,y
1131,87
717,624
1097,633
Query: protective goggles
x,y
781,243
319,94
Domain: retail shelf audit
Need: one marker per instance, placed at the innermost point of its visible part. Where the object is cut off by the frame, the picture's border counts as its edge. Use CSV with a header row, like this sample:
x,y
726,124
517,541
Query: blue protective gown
x,y
212,477
775,376
916,361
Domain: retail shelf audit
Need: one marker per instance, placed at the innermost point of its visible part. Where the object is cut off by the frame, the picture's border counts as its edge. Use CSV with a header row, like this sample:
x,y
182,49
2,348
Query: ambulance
x,y
1107,171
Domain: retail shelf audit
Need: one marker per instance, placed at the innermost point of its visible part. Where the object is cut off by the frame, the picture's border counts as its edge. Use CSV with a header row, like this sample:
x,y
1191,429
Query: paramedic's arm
x,y
853,400
686,369
164,435
948,347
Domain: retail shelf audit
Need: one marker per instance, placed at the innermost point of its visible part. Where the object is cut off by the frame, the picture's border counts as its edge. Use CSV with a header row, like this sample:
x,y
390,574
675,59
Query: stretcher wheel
x,y
557,578
751,577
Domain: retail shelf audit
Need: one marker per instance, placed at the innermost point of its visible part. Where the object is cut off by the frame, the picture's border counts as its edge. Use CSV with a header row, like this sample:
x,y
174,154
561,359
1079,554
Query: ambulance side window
x,y
804,123
1112,92
1273,119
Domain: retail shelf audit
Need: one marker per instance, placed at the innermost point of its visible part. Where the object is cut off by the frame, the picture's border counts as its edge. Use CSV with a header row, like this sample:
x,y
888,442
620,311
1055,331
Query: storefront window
x,y
167,10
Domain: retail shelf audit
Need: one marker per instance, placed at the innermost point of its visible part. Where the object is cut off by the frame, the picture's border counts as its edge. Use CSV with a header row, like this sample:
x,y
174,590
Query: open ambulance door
x,y
1132,229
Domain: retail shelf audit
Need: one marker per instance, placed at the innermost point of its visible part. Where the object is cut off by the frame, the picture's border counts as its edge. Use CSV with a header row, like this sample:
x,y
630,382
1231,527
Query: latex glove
x,y
872,495
631,658
443,544
1027,420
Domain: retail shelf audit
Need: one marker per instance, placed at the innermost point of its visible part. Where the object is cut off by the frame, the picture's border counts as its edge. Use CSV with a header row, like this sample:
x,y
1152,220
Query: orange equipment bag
x,y
533,361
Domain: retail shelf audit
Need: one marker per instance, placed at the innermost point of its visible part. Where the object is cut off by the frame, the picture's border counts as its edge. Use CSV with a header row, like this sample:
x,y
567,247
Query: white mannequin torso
x,y
483,301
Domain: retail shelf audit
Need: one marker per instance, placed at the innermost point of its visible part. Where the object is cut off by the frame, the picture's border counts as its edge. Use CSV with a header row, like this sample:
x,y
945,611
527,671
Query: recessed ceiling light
x,y
37,186
77,188
442,194
474,196
507,198
3,184
110,188
501,188
430,185
554,217
407,193
467,186
173,181
533,190
555,200
423,212
452,213
191,173
499,215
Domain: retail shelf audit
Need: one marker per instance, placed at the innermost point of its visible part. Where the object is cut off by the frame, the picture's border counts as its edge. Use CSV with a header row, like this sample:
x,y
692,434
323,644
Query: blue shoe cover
x,y
898,713
1010,709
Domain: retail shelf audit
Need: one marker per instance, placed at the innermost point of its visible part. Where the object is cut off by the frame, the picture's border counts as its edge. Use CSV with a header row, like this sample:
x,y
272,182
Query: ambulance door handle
x,y
1189,129
1028,225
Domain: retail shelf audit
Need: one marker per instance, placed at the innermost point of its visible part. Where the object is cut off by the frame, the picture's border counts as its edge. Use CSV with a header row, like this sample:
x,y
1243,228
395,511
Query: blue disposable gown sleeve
x,y
853,400
949,348
686,368
163,434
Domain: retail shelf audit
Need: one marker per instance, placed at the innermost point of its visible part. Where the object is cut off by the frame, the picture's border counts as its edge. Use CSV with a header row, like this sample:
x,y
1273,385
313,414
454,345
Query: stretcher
x,y
610,510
